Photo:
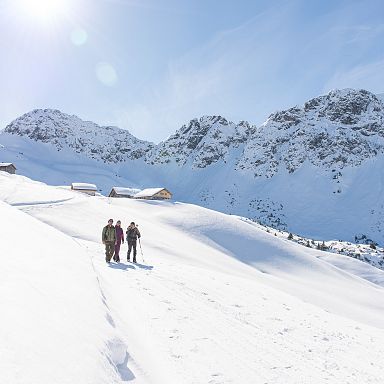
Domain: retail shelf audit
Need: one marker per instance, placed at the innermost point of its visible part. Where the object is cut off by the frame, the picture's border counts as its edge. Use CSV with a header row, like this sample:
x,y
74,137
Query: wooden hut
x,y
8,167
123,192
89,189
154,194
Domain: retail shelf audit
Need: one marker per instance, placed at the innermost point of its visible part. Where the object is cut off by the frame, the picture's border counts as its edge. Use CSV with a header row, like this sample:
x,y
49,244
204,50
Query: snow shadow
x,y
121,266
262,253
119,357
144,266
41,202
125,373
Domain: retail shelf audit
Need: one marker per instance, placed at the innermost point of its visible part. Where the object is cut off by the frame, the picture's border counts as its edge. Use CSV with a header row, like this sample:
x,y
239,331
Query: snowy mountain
x,y
214,298
332,132
201,143
314,170
107,144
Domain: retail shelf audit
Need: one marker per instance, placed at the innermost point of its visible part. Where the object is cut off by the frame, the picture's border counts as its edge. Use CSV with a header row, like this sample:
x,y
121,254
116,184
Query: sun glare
x,y
41,10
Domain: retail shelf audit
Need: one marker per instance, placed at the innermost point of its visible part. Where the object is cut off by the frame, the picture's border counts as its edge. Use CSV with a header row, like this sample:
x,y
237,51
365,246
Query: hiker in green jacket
x,y
109,239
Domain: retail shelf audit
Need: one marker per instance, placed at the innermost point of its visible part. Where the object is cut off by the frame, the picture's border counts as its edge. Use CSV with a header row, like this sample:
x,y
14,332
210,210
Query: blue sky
x,y
152,65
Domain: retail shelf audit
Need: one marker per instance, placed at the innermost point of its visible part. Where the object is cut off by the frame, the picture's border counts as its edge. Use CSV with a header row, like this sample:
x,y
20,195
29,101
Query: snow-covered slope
x,y
217,300
54,326
314,170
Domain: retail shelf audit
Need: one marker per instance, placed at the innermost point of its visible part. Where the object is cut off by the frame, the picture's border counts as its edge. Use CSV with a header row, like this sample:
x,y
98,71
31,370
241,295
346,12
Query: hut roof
x,y
126,191
84,186
148,192
6,164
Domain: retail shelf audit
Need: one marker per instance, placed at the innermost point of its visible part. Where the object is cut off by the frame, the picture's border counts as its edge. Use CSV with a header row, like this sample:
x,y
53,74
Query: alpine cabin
x,y
89,189
123,192
154,194
8,167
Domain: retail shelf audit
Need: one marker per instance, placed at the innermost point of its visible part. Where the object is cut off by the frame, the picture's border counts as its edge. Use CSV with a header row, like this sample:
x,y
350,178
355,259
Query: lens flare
x,y
106,73
79,36
42,10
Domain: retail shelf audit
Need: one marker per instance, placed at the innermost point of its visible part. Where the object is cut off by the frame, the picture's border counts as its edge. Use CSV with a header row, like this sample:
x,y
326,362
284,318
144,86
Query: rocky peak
x,y
202,142
344,127
346,106
108,144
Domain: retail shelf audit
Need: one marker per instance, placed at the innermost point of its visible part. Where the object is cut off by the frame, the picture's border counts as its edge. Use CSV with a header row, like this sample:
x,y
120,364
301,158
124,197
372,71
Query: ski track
x,y
207,319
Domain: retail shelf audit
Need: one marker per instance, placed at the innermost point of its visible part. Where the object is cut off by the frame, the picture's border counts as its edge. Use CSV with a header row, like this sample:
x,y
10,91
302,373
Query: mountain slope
x,y
217,299
46,334
314,170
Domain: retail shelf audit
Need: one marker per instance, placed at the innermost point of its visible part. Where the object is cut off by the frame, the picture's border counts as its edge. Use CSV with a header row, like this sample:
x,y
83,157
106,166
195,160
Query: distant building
x,y
8,167
89,189
123,192
154,194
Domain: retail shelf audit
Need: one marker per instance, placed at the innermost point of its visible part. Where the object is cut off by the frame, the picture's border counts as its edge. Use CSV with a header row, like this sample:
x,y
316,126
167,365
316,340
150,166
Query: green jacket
x,y
109,234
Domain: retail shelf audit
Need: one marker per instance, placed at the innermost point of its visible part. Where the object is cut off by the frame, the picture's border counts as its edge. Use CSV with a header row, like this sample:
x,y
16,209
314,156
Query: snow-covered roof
x,y
84,186
6,164
148,192
126,191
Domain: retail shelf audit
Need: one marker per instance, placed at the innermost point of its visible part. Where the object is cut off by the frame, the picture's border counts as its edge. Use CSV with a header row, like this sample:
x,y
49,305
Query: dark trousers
x,y
132,243
116,257
109,250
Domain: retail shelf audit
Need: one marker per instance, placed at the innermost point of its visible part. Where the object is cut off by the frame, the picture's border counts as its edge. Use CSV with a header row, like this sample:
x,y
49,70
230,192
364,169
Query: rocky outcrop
x,y
107,144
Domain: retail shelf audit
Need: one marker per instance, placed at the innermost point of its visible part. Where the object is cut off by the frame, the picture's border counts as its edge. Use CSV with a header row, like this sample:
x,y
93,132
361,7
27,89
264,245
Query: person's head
x,y
118,222
110,221
132,224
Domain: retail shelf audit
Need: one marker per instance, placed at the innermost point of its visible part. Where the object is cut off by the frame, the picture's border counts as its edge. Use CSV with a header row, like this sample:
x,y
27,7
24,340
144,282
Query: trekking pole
x,y
141,249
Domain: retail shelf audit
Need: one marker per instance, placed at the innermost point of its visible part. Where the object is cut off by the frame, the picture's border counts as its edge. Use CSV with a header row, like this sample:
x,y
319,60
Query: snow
x,y
54,325
5,164
217,300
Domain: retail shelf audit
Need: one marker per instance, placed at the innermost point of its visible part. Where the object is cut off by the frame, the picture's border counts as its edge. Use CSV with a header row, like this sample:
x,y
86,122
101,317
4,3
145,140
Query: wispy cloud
x,y
276,59
210,79
368,76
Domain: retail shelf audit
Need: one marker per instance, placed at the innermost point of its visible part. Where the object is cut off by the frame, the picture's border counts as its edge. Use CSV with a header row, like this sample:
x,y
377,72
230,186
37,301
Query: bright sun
x,y
43,10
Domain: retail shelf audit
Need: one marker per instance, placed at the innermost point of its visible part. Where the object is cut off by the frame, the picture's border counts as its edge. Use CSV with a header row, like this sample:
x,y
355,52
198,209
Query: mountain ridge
x,y
302,170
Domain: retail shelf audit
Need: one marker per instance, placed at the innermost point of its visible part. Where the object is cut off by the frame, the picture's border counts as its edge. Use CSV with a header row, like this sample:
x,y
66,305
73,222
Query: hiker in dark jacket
x,y
109,239
119,239
132,234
